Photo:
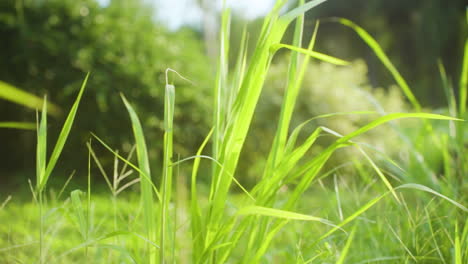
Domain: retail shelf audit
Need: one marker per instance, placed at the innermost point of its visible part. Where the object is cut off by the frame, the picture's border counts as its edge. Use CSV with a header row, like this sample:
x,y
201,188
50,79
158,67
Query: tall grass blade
x,y
145,182
372,43
166,184
41,148
198,228
464,81
345,250
220,89
62,138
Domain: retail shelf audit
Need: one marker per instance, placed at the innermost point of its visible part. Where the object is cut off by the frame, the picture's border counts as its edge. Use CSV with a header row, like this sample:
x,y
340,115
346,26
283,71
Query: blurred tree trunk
x,y
210,22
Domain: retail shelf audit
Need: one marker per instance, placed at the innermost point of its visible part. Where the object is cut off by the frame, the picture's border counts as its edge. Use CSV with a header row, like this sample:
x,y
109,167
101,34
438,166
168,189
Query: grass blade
x,y
62,138
372,43
18,96
464,81
145,182
18,125
41,148
345,250
196,220
166,184
277,213
313,54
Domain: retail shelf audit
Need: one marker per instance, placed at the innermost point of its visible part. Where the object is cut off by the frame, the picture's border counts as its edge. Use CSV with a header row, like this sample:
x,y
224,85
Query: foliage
x,y
414,34
48,46
329,89
225,227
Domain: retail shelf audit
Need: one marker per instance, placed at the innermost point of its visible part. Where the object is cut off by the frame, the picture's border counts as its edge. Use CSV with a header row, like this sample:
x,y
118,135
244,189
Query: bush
x,y
48,46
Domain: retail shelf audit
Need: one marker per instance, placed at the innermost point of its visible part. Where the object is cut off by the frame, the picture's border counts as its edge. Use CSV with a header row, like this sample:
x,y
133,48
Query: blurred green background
x,y
48,46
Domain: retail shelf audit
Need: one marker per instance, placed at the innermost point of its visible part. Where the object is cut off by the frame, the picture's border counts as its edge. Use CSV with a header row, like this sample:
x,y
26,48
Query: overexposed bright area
x,y
176,13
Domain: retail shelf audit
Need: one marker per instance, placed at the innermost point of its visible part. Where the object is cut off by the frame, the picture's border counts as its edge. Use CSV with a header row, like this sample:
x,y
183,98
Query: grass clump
x,y
280,219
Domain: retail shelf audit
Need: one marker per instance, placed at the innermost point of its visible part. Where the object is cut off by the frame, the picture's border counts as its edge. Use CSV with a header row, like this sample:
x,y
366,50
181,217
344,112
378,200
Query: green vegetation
x,y
301,207
48,46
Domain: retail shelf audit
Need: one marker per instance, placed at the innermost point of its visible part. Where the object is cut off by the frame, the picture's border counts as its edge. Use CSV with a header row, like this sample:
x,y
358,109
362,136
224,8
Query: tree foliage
x,y
48,46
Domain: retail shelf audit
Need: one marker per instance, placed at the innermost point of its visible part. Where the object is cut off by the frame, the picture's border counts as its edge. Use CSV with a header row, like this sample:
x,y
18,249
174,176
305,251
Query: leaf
x,y
372,43
264,211
313,54
18,125
41,148
145,182
18,96
62,138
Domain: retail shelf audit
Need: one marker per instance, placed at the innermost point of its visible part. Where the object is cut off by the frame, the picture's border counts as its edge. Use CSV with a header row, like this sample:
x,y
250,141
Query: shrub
x,y
48,46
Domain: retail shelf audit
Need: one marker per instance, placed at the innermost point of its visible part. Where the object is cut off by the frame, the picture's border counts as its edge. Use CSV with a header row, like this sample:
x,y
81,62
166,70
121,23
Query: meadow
x,y
299,210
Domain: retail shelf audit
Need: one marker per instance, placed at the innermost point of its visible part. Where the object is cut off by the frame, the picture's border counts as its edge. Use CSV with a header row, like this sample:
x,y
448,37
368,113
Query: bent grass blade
x,y
145,182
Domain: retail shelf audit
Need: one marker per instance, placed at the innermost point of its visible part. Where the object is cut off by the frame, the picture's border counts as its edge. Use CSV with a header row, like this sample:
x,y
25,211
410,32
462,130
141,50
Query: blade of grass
x,y
220,90
65,185
464,81
62,138
145,182
372,43
197,220
345,250
18,96
18,125
313,54
41,148
277,213
166,184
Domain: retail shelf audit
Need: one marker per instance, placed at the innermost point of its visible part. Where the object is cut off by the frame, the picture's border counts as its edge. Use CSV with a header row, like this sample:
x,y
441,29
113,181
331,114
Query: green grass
x,y
293,213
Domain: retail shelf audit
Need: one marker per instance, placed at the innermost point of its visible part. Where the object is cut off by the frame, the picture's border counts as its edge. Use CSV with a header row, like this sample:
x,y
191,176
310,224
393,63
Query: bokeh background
x,y
48,46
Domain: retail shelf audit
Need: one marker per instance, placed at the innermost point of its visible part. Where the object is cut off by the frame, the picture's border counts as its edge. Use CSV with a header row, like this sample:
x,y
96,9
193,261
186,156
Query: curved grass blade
x,y
197,221
18,96
390,117
277,213
372,43
18,125
313,54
